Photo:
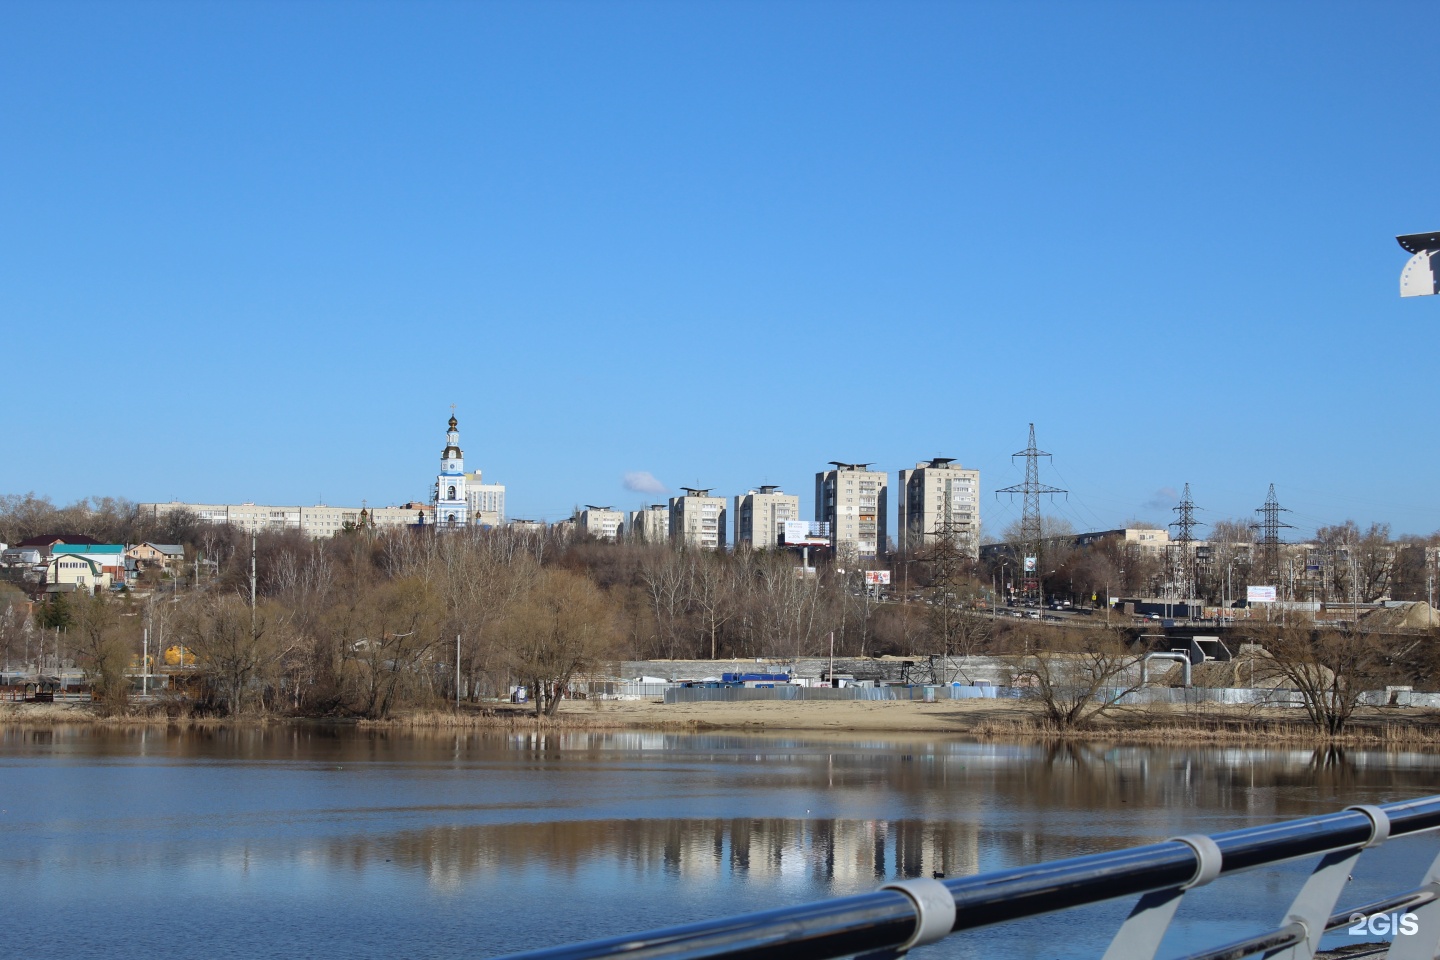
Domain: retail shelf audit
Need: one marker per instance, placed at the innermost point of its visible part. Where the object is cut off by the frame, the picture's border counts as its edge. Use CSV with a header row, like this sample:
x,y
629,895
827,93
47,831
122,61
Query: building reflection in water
x,y
832,852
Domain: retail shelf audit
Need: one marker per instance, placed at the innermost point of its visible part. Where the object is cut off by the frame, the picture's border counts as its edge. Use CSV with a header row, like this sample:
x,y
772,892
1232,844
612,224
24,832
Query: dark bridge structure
x,y
907,914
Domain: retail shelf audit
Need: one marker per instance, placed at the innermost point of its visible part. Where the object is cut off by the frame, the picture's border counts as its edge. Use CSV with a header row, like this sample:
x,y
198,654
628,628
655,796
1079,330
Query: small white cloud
x,y
1163,499
643,481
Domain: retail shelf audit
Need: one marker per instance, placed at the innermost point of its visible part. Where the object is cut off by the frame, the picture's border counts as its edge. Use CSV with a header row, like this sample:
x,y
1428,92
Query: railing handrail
x,y
887,919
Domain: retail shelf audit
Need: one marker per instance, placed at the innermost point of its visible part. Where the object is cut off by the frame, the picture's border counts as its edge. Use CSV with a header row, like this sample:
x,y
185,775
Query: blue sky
x,y
254,251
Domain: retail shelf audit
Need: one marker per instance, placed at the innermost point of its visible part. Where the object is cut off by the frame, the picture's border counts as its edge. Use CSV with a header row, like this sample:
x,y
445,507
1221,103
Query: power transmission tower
x,y
1032,489
1186,539
1270,527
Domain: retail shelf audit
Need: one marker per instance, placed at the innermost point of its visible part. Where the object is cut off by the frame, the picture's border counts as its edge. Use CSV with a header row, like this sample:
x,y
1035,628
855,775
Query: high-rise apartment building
x,y
852,498
698,519
760,517
602,523
939,498
651,525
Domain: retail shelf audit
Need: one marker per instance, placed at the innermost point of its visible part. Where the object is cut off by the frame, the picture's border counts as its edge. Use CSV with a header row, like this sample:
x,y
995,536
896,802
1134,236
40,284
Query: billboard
x,y
804,533
1029,564
878,576
1260,594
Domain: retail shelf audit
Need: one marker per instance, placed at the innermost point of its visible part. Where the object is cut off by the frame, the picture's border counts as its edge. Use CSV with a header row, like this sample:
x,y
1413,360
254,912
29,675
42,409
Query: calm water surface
x,y
330,842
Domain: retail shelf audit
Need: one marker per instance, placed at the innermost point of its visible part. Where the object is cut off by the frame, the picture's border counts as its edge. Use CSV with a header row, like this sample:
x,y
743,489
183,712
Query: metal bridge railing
x,y
910,913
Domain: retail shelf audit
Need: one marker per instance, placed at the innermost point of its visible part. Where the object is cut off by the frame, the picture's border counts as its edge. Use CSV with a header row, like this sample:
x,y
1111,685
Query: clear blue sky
x,y
254,251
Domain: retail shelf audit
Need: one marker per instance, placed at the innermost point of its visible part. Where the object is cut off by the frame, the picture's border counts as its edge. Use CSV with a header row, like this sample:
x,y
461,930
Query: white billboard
x,y
797,531
878,576
1260,594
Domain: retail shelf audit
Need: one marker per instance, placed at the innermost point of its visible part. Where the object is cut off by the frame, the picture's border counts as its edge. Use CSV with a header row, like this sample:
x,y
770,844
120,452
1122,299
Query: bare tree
x,y
1081,676
666,574
1330,668
103,649
234,650
561,626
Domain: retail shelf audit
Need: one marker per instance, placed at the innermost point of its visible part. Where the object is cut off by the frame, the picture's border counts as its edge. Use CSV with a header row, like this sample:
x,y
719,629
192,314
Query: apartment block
x,y
651,524
760,517
939,498
318,522
853,499
602,523
698,519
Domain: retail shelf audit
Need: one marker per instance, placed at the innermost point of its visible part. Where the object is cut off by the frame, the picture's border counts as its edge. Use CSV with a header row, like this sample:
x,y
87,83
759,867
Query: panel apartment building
x,y
602,523
760,517
939,498
317,522
651,525
852,498
698,519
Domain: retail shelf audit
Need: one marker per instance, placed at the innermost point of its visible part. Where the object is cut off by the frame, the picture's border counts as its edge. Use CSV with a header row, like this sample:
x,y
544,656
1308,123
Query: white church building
x,y
463,499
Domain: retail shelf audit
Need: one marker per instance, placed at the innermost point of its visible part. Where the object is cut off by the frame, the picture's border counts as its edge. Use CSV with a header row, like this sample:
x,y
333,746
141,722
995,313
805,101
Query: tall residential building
x,y
760,517
698,519
938,498
602,523
852,498
652,524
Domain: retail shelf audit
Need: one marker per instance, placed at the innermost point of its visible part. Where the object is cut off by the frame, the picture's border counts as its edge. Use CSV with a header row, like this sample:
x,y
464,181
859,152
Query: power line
x,y
1031,490
1270,527
1186,539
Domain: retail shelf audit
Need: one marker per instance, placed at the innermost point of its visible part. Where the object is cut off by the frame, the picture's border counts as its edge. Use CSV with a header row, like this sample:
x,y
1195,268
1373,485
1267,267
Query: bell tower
x,y
452,506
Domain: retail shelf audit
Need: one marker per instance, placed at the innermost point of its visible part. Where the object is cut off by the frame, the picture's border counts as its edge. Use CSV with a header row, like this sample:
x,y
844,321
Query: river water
x,y
332,842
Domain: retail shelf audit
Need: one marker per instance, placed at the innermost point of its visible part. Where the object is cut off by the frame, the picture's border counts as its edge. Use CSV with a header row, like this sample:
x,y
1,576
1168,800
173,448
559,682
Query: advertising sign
x,y
797,531
877,576
1260,594
1029,564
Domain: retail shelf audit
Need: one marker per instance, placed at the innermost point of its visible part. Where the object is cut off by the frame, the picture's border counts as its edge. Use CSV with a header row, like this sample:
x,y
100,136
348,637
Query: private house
x,y
71,572
154,556
110,557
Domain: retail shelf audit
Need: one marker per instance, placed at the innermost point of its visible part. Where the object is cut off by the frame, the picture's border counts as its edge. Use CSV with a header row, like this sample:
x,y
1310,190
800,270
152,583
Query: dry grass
x,y
976,719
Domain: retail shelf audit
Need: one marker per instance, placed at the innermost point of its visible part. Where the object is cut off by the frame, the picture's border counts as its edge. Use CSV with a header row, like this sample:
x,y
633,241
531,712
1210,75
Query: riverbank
x,y
972,719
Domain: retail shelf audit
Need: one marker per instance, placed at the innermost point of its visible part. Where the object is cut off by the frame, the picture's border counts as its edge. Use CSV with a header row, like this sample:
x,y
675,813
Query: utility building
x,y
852,498
939,498
760,517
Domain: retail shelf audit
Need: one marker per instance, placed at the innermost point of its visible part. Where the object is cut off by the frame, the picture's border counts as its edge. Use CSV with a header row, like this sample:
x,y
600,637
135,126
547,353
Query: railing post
x,y
1317,899
1139,936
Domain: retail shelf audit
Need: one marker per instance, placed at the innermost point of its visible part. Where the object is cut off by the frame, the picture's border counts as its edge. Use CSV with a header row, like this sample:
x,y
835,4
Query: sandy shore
x,y
975,719
888,716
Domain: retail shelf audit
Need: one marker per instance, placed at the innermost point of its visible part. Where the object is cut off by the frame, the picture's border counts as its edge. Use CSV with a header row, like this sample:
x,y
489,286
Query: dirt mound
x,y
1405,616
1252,668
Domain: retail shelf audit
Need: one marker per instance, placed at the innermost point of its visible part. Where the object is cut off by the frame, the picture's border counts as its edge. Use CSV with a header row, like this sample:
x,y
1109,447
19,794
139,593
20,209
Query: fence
x,y
789,692
911,913
1124,696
